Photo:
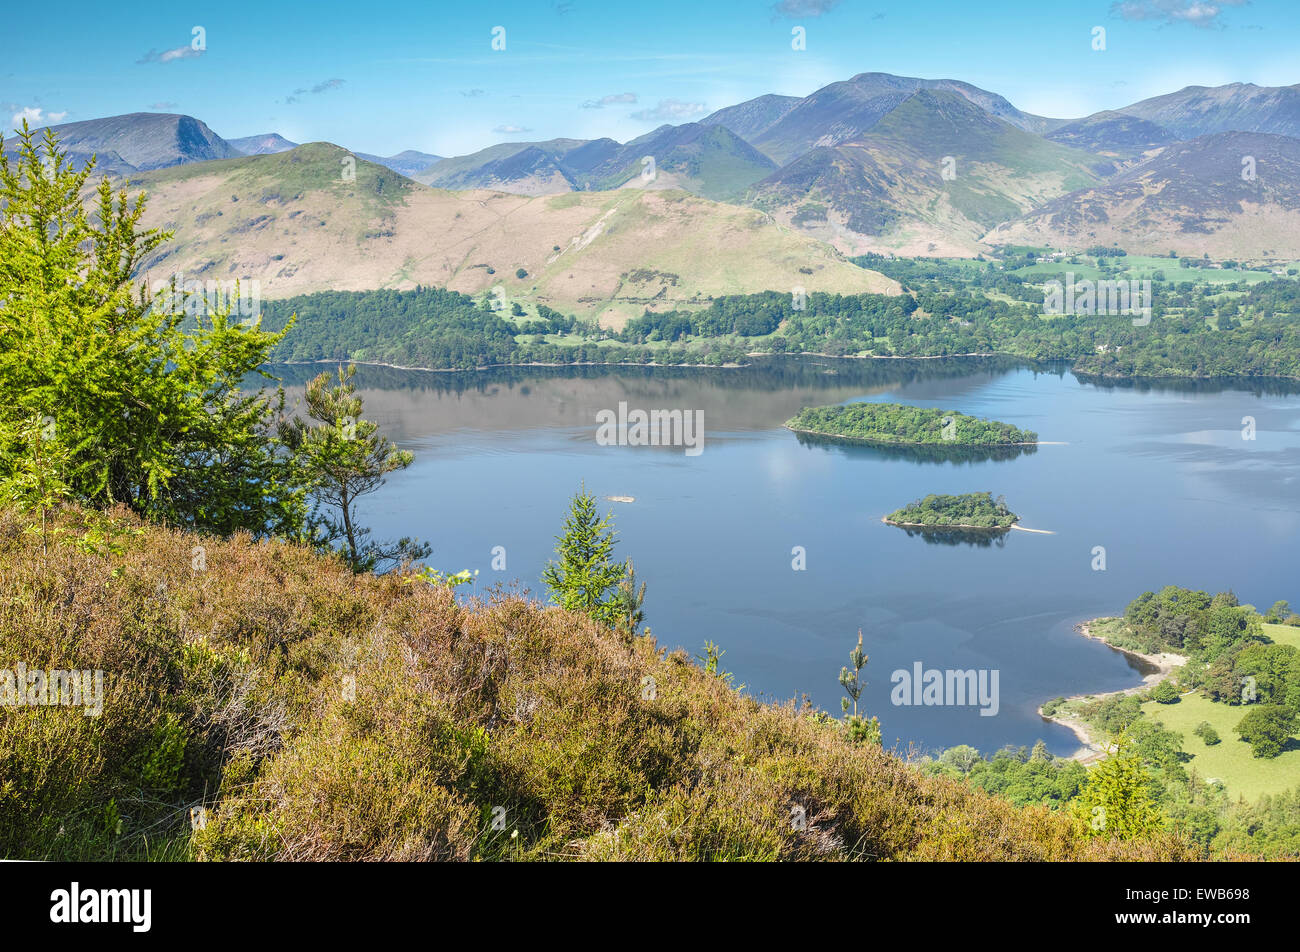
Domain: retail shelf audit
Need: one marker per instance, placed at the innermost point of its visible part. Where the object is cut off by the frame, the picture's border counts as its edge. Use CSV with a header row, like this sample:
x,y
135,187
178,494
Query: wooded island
x,y
898,424
968,511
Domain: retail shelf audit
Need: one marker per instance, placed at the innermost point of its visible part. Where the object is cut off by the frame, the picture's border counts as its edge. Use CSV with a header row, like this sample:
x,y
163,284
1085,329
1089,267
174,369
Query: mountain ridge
x,y
292,222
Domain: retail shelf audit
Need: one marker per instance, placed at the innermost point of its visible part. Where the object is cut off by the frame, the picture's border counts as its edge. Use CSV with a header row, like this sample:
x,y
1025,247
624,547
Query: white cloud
x,y
35,115
510,130
669,110
32,114
168,56
609,100
1195,12
321,87
799,9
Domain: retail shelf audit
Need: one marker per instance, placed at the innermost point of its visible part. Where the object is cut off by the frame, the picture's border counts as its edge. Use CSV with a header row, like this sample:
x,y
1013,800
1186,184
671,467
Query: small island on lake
x,y
979,511
901,425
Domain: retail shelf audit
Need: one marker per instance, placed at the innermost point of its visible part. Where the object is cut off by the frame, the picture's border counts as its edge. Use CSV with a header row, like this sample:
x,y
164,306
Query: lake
x,y
1158,475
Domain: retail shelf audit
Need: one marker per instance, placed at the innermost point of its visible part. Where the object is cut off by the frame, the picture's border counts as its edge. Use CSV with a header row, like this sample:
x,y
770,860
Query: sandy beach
x,y
1092,749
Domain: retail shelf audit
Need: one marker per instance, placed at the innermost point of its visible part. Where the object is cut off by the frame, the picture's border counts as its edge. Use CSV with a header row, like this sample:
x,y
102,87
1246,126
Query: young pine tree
x,y
32,481
342,458
860,729
1116,801
630,598
584,576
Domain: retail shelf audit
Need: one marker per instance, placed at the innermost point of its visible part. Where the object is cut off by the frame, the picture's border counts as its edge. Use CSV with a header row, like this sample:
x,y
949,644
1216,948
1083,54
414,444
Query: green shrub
x,y
1166,692
1206,732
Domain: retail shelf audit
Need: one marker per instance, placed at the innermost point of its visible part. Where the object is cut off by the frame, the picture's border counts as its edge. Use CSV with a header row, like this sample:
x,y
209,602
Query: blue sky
x,y
388,76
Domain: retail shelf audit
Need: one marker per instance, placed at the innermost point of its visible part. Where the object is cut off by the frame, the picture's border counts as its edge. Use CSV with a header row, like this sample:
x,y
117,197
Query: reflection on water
x,y
976,538
924,453
775,373
1259,386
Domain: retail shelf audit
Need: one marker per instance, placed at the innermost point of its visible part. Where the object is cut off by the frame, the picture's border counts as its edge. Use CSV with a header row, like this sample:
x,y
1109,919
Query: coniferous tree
x,y
860,729
341,458
630,599
1116,801
584,572
146,397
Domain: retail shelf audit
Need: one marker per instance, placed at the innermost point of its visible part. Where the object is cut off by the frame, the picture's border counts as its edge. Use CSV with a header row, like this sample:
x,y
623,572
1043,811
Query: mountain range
x,y
875,163
294,223
143,141
711,161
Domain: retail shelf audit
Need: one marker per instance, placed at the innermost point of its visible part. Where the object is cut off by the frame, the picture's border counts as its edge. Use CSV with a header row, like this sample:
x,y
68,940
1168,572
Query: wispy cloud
x,y
510,130
801,9
162,106
1195,12
322,87
169,56
471,93
669,110
610,100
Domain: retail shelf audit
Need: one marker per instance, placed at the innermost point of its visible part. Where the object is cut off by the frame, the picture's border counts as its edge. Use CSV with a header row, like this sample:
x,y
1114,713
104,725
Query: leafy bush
x,y
1206,732
1165,693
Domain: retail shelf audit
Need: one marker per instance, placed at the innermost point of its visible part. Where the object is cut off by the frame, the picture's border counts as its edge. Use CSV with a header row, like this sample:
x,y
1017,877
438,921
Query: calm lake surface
x,y
1160,476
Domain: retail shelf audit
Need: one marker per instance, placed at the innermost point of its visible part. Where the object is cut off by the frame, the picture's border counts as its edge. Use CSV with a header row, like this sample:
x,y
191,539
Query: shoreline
x,y
859,439
955,525
1162,665
925,525
734,366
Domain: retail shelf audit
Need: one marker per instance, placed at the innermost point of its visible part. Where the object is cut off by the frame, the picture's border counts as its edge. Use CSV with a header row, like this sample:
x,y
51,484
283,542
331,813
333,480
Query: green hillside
x,y
322,715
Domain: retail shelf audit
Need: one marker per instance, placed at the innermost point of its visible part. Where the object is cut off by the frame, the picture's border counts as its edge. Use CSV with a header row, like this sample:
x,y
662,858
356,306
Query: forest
x,y
1236,662
1196,331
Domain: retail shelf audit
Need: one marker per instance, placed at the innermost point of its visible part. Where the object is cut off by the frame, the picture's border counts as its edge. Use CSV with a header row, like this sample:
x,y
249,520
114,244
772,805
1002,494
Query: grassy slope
x,y
226,686
1284,634
291,222
1229,760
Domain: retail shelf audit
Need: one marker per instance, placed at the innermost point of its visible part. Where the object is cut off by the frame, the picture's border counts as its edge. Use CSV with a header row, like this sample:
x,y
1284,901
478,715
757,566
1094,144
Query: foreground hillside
x,y
315,714
293,222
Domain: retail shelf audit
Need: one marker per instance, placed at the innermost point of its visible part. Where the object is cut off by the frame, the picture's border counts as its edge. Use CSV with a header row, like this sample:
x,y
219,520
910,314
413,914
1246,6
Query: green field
x,y
1229,760
1284,634
1138,266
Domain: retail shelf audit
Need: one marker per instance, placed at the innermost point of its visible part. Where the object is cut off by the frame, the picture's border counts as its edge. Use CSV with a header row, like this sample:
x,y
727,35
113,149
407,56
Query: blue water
x,y
1161,478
